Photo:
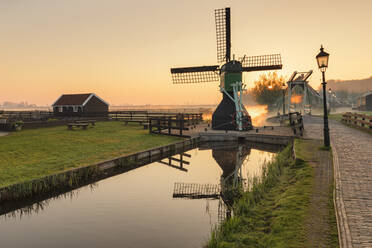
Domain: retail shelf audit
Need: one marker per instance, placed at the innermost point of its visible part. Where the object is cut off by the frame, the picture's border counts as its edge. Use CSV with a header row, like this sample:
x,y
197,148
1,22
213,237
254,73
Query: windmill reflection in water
x,y
230,157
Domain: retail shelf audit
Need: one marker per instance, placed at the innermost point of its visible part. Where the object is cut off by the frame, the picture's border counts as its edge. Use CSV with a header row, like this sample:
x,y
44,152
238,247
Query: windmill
x,y
230,157
230,114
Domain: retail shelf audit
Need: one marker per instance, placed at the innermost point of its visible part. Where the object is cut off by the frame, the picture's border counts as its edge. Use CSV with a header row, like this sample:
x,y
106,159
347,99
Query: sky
x,y
123,50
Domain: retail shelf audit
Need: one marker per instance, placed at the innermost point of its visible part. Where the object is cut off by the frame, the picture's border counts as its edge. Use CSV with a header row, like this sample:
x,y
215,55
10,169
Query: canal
x,y
143,207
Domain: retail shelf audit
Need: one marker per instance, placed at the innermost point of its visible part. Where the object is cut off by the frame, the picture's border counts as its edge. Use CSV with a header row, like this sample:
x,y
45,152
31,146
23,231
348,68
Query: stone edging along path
x,y
344,235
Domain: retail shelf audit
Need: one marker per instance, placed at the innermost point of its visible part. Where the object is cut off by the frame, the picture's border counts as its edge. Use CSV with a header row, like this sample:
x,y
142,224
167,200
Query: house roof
x,y
366,94
75,99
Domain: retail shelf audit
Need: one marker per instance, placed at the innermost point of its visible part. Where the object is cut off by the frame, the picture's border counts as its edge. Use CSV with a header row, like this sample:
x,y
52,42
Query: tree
x,y
268,88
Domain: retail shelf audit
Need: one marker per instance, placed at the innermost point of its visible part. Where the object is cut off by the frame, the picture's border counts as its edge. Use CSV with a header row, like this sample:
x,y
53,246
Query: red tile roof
x,y
72,99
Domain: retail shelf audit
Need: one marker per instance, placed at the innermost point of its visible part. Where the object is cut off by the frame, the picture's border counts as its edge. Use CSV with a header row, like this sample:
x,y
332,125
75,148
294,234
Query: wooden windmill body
x,y
230,114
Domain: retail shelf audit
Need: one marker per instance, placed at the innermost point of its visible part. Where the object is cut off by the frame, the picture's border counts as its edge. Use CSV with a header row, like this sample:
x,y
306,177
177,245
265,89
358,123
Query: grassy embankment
x,y
33,154
276,212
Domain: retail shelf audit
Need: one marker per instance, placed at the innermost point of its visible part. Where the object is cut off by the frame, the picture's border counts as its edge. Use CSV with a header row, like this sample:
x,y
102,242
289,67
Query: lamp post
x,y
322,59
283,88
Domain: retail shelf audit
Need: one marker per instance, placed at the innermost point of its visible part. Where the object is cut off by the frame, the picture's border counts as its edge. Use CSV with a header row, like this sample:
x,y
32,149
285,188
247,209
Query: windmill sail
x,y
223,32
198,74
261,63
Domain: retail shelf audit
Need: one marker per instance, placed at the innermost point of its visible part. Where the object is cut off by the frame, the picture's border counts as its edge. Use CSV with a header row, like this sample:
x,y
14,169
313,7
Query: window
x,y
60,109
75,108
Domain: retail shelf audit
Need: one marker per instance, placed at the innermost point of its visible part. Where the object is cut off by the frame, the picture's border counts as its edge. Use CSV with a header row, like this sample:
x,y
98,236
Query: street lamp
x,y
322,59
283,88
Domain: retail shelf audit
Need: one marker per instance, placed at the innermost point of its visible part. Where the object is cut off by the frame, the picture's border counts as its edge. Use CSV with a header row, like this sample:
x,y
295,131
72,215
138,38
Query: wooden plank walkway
x,y
279,135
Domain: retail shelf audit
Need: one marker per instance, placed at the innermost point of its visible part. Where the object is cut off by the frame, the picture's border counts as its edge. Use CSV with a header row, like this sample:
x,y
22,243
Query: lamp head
x,y
322,59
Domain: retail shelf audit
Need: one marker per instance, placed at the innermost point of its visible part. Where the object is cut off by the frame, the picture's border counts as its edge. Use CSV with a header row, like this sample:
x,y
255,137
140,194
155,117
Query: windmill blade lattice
x,y
263,62
199,74
223,32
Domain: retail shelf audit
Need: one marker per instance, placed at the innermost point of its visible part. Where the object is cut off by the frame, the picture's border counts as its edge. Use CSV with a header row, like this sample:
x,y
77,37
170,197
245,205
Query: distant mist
x,y
7,104
351,86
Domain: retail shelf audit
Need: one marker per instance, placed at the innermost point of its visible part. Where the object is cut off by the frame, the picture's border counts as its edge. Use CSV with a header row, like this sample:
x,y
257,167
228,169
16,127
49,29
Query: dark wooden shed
x,y
369,101
70,105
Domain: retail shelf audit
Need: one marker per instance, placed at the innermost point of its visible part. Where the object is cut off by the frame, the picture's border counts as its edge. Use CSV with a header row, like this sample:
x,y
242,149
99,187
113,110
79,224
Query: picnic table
x,y
82,125
136,121
92,122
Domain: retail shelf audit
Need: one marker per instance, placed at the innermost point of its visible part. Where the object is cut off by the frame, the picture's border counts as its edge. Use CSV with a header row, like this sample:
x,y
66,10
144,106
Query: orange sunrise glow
x,y
123,50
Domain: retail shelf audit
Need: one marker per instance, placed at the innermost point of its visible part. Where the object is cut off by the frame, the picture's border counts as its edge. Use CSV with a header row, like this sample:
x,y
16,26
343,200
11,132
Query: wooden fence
x,y
25,115
179,123
360,120
145,116
297,123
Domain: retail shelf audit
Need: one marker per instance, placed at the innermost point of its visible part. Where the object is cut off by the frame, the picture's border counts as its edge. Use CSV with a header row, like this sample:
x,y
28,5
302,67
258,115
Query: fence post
x,y
169,124
158,122
150,126
181,124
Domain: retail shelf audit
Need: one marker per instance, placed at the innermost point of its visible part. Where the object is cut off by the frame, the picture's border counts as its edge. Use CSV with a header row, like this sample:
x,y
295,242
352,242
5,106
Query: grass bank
x,y
36,153
276,212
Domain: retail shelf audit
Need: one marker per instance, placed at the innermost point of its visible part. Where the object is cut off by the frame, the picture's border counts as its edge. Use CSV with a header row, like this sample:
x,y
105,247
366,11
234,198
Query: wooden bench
x,y
83,125
92,122
135,121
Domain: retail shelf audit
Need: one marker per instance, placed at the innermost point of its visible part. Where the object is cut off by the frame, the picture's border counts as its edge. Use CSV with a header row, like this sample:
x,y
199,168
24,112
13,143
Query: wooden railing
x,y
168,124
360,120
297,123
145,116
25,115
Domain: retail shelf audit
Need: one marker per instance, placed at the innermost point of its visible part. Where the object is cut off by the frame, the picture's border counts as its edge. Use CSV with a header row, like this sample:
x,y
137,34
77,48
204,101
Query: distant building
x,y
80,105
364,102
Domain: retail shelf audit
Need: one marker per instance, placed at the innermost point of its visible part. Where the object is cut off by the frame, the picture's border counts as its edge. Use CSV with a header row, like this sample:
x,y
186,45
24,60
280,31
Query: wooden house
x,y
364,102
70,105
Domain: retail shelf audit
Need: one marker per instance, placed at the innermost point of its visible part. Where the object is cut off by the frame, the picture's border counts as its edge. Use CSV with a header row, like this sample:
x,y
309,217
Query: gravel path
x,y
352,154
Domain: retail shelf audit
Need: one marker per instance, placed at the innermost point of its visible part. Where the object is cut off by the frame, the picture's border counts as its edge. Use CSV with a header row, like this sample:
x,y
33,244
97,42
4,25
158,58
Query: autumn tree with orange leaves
x,y
267,89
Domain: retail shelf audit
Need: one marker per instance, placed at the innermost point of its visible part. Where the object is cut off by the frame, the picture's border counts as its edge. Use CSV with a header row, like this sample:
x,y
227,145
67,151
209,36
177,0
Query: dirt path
x,y
319,226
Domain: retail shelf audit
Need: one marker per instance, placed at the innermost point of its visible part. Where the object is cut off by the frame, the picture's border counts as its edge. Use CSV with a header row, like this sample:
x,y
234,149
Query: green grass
x,y
274,212
32,154
336,117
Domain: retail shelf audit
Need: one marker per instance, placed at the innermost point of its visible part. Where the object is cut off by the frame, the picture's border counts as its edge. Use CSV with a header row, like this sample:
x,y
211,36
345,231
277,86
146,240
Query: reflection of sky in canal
x,y
134,209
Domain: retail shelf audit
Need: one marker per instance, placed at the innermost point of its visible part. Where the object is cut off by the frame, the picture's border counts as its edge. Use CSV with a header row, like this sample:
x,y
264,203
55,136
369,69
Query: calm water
x,y
137,208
